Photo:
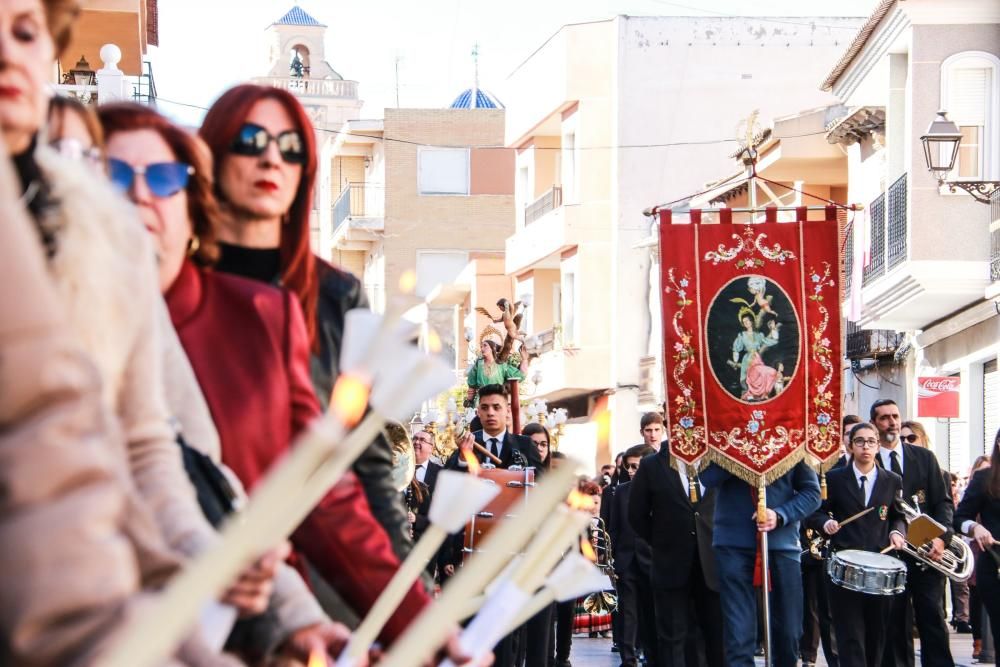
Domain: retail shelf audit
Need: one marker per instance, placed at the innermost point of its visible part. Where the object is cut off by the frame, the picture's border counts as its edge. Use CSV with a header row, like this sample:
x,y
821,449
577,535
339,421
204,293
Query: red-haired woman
x,y
247,344
265,168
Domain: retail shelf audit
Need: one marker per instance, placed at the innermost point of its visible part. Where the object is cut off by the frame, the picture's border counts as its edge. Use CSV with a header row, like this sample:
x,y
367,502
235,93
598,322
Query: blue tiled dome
x,y
298,16
484,100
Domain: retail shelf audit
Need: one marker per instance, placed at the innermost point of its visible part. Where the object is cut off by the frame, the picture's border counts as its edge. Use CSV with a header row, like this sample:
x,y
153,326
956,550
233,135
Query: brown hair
x,y
60,15
60,105
650,418
919,430
203,209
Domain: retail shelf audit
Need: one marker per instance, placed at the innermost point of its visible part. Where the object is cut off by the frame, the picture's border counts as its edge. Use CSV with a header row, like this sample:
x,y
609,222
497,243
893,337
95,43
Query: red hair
x,y
221,124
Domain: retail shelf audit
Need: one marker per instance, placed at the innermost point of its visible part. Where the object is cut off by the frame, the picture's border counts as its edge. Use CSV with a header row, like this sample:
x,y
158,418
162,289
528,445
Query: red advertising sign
x,y
938,396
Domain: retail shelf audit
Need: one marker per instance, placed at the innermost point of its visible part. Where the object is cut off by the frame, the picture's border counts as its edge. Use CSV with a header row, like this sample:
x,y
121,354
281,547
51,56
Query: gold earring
x,y
193,244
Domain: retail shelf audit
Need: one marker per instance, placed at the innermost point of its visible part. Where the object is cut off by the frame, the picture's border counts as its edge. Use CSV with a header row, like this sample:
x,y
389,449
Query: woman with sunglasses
x,y
223,321
915,434
74,131
264,150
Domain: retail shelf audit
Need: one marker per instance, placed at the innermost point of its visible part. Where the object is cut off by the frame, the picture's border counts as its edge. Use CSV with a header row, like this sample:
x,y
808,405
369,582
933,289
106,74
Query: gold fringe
x,y
752,477
822,485
693,492
822,466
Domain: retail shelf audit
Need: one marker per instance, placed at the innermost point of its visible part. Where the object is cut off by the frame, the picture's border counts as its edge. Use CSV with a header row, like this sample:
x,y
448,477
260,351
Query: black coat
x,y
978,505
626,546
661,512
870,532
523,444
922,478
431,476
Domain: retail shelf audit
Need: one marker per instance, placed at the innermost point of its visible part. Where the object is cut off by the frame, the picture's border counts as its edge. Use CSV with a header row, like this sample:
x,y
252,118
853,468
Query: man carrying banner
x,y
791,498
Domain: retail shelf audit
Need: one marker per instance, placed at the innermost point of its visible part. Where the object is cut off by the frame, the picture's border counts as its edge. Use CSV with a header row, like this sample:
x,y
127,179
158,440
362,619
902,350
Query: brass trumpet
x,y
956,563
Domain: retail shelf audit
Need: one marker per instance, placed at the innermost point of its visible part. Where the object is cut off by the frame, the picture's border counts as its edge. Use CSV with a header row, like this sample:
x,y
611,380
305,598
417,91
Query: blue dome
x,y
484,100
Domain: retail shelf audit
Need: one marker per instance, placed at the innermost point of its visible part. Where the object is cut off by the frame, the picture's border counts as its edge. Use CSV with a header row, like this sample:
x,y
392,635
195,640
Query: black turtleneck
x,y
263,264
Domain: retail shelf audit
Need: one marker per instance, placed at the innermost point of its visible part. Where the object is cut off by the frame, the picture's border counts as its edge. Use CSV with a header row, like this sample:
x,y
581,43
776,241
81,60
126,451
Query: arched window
x,y
298,61
970,93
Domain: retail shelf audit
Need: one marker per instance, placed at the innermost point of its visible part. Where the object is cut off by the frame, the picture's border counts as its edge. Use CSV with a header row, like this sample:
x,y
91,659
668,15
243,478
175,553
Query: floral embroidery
x,y
757,444
747,245
687,437
824,432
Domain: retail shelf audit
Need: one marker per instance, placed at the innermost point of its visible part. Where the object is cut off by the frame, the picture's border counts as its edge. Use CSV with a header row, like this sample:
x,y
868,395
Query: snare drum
x,y
867,572
515,485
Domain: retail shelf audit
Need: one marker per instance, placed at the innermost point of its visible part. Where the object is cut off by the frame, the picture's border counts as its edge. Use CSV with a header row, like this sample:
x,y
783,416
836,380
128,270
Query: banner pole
x,y
765,574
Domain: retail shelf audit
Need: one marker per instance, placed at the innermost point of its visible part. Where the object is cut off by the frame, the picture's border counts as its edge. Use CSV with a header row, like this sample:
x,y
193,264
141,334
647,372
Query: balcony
x,y
540,244
995,239
550,201
358,216
568,372
929,259
306,87
870,343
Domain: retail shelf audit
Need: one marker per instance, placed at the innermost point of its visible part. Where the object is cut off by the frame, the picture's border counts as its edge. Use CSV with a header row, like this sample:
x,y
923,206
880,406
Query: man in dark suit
x,y
632,559
426,470
921,476
684,577
859,619
492,410
511,449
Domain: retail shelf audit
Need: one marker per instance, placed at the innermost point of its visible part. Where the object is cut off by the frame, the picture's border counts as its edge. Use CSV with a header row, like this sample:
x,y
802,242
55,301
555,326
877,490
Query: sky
x,y
209,45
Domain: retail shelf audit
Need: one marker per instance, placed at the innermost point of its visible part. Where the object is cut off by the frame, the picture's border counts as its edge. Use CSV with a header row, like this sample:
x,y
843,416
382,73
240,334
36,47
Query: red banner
x,y
938,396
752,343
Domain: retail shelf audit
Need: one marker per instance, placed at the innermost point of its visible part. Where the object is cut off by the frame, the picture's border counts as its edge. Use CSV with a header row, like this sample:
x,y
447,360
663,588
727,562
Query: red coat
x,y
248,346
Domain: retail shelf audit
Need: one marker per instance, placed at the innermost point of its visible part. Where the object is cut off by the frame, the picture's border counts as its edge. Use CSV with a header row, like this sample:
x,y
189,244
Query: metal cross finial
x,y
747,131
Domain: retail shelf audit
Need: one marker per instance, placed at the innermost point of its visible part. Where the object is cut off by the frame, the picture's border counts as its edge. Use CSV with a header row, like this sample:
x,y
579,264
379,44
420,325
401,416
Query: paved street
x,y
597,652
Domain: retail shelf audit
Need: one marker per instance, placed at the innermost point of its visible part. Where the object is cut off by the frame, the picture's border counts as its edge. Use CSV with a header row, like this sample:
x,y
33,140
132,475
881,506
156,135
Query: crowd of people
x,y
167,332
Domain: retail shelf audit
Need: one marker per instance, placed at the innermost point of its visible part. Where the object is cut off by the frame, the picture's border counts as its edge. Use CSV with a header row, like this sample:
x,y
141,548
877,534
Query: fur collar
x,y
103,264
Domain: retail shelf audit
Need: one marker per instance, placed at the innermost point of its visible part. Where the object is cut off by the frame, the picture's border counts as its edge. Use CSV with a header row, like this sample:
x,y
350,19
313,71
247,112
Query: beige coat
x,y
76,546
105,271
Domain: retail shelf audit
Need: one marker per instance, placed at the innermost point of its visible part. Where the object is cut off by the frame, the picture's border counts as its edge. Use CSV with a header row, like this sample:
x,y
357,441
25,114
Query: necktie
x,y
495,447
894,463
864,479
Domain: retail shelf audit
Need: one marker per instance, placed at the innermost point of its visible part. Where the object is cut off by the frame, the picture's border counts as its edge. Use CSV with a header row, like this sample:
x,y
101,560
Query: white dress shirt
x,y
870,478
421,471
886,461
500,437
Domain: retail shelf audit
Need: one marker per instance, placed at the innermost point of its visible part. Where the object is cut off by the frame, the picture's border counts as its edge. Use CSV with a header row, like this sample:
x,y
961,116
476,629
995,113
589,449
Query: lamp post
x,y
941,143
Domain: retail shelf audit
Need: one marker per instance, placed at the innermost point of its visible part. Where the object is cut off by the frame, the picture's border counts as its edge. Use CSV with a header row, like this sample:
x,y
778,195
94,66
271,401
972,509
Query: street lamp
x,y
941,143
81,75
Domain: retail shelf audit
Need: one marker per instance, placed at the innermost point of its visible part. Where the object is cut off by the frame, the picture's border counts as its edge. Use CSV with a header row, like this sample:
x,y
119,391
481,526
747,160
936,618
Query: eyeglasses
x,y
252,140
631,466
912,438
75,150
164,179
865,443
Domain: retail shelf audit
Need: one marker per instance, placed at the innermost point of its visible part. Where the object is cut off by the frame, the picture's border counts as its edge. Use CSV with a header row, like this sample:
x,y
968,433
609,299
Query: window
x,y
969,93
443,171
438,268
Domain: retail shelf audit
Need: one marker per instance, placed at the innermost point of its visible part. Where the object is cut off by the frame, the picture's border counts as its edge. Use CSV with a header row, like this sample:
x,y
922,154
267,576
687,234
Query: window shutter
x,y
968,92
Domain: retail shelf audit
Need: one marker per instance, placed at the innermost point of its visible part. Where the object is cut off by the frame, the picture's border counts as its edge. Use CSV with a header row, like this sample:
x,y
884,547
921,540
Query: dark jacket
x,y
660,511
870,532
431,477
339,292
978,505
922,478
523,444
793,497
626,546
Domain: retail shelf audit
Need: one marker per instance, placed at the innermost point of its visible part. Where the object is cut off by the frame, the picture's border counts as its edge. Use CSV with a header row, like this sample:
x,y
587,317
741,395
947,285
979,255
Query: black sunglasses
x,y
631,466
912,438
252,140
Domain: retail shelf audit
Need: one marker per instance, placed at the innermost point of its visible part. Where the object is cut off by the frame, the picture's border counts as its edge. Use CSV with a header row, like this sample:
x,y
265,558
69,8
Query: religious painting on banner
x,y
752,343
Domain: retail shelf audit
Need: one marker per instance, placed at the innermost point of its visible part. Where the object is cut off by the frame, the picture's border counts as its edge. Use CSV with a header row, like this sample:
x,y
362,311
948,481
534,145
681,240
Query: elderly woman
x,y
108,301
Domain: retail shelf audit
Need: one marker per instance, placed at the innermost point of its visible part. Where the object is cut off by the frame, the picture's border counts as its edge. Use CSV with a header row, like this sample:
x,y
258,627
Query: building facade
x,y
923,254
609,118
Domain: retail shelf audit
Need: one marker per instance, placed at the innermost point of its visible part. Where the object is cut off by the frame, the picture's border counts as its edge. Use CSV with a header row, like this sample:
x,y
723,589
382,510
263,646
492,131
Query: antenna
x,y
398,58
475,80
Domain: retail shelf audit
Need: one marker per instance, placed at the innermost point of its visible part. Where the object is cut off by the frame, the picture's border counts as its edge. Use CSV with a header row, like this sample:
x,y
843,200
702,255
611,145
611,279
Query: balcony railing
x,y
318,87
867,343
359,200
550,201
888,231
547,340
995,236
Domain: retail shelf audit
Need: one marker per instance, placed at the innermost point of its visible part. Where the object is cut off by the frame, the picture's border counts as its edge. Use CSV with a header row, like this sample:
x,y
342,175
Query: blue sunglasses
x,y
164,179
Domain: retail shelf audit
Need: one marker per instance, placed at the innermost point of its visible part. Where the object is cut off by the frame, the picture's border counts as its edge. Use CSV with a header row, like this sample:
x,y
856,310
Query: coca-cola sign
x,y
938,396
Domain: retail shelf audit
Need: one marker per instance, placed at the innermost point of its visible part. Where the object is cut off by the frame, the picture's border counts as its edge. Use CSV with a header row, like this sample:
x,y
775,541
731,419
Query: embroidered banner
x,y
752,342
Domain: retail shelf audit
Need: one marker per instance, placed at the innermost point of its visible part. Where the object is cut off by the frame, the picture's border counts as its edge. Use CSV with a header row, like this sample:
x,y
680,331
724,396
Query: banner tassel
x,y
822,485
692,489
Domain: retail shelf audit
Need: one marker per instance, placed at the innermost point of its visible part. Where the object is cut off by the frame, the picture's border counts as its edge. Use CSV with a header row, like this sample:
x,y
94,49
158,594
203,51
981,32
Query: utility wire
x,y
756,18
705,142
